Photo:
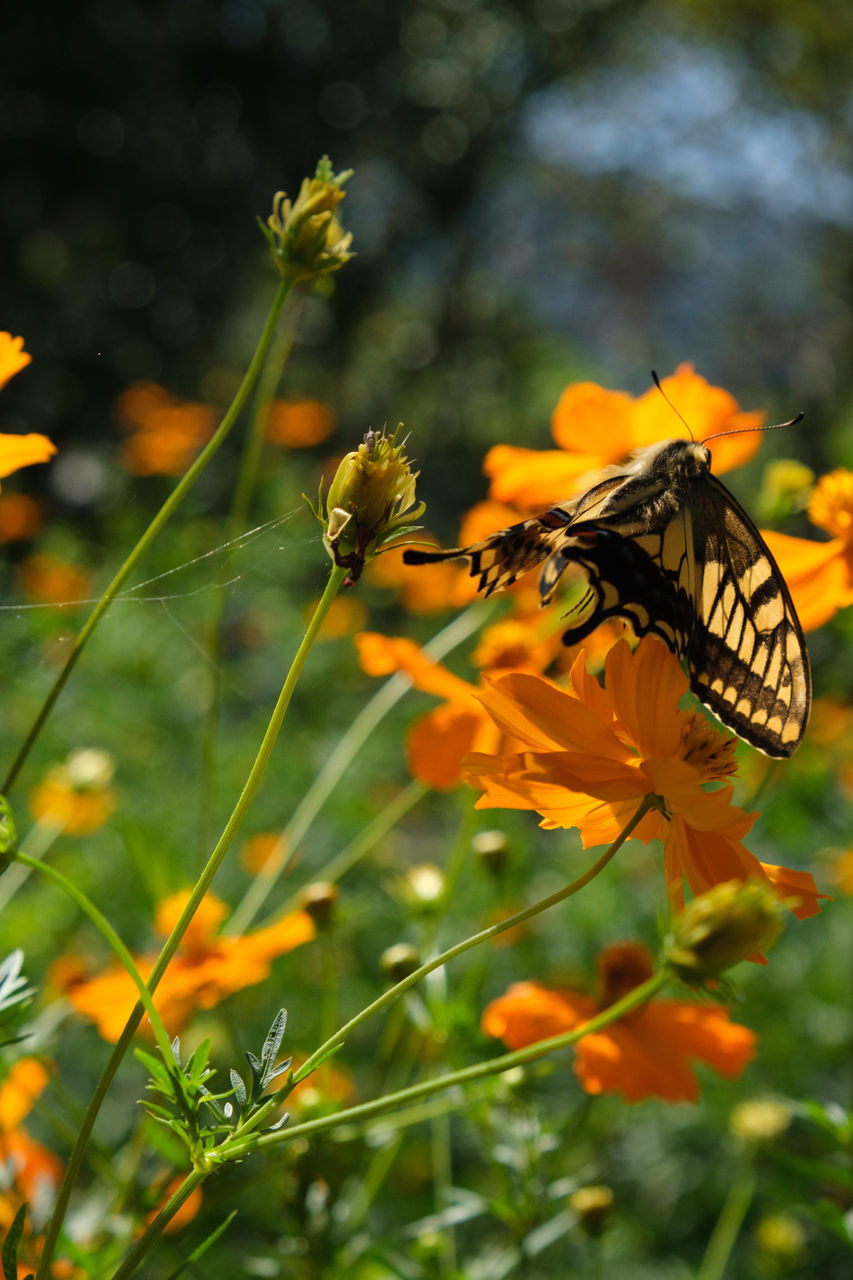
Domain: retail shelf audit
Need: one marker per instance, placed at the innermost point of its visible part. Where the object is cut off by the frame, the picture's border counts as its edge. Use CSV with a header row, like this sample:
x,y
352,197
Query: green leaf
x,y
11,1243
275,1035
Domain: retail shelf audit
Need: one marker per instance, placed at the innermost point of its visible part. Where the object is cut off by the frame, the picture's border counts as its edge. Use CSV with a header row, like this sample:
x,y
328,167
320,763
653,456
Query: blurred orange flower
x,y
820,574
13,357
299,424
346,614
31,1171
257,850
591,754
208,966
51,580
21,517
646,1054
595,427
76,796
165,432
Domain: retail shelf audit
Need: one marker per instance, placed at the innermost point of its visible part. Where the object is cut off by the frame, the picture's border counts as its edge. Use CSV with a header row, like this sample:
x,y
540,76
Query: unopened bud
x,y
731,922
304,235
592,1205
759,1120
490,847
371,501
318,900
399,961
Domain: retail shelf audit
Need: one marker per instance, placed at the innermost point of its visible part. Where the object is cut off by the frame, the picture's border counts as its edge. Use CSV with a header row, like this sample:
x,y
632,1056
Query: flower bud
x,y
592,1205
732,922
304,235
490,847
8,834
318,900
399,961
370,501
759,1119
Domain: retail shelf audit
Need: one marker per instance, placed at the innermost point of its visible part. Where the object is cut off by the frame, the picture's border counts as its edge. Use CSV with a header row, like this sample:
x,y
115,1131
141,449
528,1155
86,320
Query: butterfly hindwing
x,y
665,546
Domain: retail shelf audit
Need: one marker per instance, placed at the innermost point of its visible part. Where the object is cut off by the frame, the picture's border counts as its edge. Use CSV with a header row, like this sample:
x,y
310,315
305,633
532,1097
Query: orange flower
x,y
591,755
257,850
439,741
30,1169
646,1054
595,427
21,517
820,574
76,796
207,968
51,580
13,357
298,424
166,431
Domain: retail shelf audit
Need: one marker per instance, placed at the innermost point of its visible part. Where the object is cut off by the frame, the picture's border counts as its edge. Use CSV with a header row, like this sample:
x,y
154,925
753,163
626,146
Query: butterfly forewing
x,y
666,547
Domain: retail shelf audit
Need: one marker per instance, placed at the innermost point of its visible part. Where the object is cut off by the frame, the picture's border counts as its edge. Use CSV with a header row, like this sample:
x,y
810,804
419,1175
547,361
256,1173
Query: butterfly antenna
x,y
769,426
656,381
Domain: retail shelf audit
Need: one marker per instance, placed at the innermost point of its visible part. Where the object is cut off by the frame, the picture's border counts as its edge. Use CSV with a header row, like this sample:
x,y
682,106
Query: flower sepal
x,y
734,921
305,238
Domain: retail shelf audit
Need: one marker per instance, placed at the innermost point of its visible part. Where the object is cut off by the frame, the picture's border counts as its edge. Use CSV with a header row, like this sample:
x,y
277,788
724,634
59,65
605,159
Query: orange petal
x,y
539,713
796,885
528,1013
385,655
819,575
13,357
26,1080
23,451
587,413
535,479
645,688
438,742
622,1060
705,1032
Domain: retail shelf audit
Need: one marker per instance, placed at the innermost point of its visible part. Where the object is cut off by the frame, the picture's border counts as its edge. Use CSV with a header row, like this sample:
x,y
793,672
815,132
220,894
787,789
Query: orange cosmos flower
x,y
13,357
76,796
595,427
21,517
51,580
31,1171
299,424
19,451
590,755
646,1054
820,574
207,968
165,431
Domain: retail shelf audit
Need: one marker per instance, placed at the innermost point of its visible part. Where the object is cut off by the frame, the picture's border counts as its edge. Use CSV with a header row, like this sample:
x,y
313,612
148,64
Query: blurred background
x,y
542,191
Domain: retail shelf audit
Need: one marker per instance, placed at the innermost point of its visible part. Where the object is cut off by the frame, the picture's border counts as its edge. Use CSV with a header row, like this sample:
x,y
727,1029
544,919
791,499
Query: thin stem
x,y
171,504
476,939
112,939
239,1148
327,779
232,826
728,1225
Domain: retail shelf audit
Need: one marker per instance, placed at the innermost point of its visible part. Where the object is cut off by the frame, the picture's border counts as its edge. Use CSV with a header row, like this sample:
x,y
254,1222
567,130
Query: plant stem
x,y
727,1226
238,1149
169,507
326,780
111,937
201,887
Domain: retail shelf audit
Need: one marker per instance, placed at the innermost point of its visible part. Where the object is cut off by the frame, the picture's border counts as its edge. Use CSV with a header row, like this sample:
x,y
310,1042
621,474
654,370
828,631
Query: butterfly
x,y
665,546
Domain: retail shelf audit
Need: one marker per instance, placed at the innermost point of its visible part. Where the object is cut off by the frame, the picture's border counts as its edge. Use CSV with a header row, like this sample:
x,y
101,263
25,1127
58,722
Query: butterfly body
x,y
665,546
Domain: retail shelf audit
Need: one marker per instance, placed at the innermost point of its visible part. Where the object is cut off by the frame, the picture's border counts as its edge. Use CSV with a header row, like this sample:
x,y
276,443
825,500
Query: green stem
x,y
112,939
475,940
728,1225
232,826
394,993
327,779
155,527
238,1149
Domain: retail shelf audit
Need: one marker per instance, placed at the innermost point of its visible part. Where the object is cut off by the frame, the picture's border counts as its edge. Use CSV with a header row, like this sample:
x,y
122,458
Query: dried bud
x,y
592,1205
304,235
399,961
370,502
318,900
491,849
732,922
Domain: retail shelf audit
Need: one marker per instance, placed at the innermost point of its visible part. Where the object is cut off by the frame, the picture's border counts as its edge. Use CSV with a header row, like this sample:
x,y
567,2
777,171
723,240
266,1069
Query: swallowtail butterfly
x,y
666,547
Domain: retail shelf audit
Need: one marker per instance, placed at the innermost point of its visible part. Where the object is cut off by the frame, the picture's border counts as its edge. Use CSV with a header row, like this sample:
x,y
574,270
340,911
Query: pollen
x,y
707,749
831,504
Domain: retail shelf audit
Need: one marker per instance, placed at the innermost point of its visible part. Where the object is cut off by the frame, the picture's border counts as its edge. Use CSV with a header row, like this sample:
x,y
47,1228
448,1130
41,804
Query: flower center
x,y
831,504
707,749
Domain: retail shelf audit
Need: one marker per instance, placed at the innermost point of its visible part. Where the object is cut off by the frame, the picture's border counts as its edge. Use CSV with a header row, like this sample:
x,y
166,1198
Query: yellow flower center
x,y
507,645
831,504
707,749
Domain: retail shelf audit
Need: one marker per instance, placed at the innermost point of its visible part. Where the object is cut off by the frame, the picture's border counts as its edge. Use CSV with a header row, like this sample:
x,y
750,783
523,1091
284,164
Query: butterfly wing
x,y
747,653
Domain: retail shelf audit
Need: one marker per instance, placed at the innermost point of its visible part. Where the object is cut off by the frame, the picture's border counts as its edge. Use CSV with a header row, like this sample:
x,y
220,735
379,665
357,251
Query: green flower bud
x,y
304,235
370,502
732,922
8,834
